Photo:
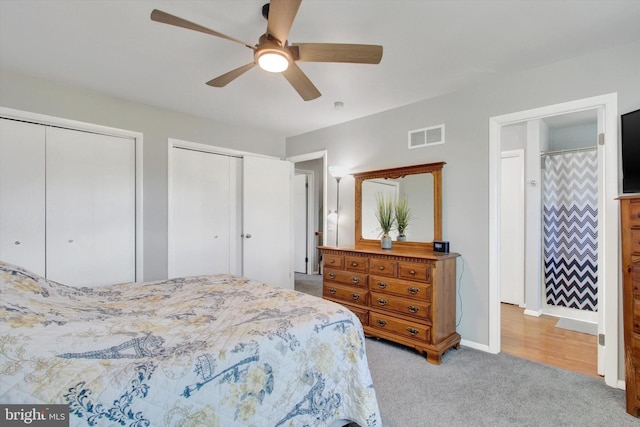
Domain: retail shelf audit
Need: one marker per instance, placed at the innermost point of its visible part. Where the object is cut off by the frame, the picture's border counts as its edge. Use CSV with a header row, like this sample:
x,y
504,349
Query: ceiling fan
x,y
274,53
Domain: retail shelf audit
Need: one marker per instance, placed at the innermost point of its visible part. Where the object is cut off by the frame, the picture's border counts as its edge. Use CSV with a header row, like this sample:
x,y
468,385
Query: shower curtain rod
x,y
569,150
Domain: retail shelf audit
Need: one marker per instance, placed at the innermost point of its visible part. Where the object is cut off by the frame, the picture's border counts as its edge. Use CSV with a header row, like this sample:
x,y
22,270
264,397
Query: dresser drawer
x,y
362,314
634,213
383,267
333,261
635,240
344,277
404,288
345,293
400,327
415,271
414,308
356,263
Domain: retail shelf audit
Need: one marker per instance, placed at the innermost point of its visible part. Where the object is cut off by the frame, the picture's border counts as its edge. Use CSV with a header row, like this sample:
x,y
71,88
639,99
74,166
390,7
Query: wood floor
x,y
537,339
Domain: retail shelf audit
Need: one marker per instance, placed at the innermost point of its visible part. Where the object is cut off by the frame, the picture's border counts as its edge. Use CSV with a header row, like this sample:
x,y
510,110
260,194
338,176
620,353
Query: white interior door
x,y
90,236
300,204
267,220
22,194
512,227
201,212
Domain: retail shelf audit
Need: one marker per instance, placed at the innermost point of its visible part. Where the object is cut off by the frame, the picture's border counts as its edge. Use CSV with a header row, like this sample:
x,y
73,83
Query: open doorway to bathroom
x,y
542,296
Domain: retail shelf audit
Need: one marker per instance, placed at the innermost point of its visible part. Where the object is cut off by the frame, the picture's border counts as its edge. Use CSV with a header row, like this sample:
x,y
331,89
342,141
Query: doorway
x,y
303,208
314,166
605,108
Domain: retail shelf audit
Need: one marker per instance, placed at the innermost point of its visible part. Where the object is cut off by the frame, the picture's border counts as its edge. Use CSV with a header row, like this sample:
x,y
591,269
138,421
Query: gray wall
x,y
565,138
38,96
380,141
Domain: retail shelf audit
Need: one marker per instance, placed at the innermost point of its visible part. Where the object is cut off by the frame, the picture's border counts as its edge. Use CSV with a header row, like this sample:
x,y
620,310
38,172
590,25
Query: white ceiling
x,y
430,48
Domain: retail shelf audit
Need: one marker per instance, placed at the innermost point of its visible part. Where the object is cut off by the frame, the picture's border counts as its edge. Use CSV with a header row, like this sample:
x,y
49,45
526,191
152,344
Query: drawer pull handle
x,y
381,267
381,322
382,285
354,264
355,297
332,290
382,301
413,290
413,331
413,308
333,261
355,279
638,214
412,272
332,275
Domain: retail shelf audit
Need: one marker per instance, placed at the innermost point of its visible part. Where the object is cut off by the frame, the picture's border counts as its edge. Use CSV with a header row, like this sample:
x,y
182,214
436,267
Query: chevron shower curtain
x,y
570,199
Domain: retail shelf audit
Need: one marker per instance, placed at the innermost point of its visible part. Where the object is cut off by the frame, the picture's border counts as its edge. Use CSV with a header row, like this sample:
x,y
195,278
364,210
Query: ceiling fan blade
x,y
337,52
167,18
281,16
227,78
301,82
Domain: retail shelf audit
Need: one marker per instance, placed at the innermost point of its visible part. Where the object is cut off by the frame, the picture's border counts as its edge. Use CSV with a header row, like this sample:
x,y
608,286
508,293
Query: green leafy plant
x,y
385,213
403,214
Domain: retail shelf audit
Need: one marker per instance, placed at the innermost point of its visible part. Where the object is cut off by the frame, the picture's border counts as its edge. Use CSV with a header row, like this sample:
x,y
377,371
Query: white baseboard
x,y
475,345
535,313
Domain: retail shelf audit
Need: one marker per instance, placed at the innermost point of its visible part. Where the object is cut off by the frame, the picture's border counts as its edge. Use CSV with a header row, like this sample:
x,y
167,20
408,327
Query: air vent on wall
x,y
425,137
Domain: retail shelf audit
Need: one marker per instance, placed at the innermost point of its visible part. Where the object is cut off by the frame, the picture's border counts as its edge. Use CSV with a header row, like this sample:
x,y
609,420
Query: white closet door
x,y
22,199
267,220
90,208
200,214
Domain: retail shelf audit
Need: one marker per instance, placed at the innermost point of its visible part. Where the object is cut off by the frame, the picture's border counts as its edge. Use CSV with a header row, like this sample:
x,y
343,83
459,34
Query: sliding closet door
x,y
90,208
22,187
201,213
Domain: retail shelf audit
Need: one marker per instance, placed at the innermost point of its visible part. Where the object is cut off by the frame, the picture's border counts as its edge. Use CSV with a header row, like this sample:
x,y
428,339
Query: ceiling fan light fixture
x,y
273,60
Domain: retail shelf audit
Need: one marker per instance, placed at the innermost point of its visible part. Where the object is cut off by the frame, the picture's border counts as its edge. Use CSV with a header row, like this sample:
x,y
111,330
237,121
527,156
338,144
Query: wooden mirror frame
x,y
433,168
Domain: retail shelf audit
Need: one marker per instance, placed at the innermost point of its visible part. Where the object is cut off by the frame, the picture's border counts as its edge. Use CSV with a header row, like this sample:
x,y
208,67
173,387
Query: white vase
x,y
385,242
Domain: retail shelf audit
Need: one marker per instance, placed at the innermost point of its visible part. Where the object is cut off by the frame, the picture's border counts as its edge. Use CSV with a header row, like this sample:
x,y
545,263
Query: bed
x,y
198,351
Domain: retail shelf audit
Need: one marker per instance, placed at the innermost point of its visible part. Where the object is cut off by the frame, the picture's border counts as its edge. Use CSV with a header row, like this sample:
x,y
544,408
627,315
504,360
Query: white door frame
x,y
608,228
43,119
313,156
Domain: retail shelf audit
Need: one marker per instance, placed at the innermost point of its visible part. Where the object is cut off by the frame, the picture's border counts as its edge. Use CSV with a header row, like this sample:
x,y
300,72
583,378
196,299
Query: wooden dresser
x,y
405,296
630,231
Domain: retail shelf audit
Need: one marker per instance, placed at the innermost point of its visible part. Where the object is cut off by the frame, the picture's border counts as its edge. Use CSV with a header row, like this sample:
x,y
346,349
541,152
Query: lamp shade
x,y
338,171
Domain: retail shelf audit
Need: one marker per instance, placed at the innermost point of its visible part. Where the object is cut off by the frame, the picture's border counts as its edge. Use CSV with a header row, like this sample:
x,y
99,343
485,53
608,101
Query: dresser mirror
x,y
422,186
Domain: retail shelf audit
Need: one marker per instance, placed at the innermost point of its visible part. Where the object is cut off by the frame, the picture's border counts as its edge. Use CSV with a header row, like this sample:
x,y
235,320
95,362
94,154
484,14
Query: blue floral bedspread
x,y
196,351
